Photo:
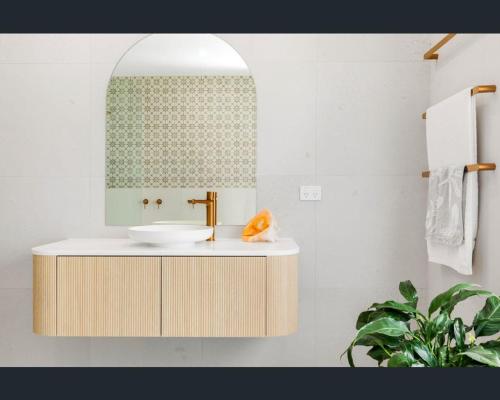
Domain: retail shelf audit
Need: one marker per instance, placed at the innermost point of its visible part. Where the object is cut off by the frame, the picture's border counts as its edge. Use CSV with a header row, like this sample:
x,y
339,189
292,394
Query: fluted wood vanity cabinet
x,y
171,296
108,296
214,296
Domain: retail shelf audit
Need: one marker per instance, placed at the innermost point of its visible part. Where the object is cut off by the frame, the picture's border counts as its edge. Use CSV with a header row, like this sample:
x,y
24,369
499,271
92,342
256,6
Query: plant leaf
x,y
349,357
487,321
372,315
442,299
399,360
463,361
485,356
378,354
409,292
459,333
492,344
377,340
425,354
465,294
443,356
441,323
394,305
374,340
383,326
363,319
437,326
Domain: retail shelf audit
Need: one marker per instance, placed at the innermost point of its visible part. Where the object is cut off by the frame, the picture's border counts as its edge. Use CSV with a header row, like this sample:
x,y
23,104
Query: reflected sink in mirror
x,y
179,222
170,235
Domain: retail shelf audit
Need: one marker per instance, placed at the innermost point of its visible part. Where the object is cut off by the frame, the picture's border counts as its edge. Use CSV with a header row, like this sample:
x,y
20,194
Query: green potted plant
x,y
399,335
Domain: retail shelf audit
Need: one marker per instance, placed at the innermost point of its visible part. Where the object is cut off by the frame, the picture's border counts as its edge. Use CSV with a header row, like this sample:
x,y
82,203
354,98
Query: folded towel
x,y
451,140
261,228
444,220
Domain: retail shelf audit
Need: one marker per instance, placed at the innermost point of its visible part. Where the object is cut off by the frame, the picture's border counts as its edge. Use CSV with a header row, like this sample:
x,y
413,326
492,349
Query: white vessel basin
x,y
170,235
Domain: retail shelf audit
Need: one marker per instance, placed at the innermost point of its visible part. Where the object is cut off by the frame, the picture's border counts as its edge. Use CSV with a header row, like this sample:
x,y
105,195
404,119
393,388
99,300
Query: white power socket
x,y
310,193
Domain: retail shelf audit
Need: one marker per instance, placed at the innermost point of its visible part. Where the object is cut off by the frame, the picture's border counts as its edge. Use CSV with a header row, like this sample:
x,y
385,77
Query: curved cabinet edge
x,y
44,295
282,295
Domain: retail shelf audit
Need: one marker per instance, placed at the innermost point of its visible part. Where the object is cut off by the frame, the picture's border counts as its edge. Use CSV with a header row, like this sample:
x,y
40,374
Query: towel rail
x,y
470,168
476,90
431,53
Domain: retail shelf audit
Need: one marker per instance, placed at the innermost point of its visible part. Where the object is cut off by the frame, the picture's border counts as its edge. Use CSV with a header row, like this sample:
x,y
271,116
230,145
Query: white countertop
x,y
127,247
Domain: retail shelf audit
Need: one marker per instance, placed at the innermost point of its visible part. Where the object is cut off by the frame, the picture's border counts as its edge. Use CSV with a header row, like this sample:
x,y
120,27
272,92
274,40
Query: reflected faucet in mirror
x,y
211,207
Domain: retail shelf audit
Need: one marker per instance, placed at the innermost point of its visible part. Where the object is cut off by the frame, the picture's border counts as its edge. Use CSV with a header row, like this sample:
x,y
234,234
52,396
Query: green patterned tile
x,y
181,131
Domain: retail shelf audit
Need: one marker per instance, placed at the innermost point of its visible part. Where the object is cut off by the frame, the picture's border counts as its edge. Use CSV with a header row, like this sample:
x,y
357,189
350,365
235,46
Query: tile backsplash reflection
x,y
181,132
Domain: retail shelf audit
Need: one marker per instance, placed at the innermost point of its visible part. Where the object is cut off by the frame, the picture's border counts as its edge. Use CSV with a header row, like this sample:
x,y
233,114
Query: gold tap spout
x,y
211,203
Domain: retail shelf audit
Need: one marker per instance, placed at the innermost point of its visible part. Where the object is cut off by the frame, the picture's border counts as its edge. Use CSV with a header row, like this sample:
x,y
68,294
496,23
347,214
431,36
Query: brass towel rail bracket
x,y
470,168
476,90
431,53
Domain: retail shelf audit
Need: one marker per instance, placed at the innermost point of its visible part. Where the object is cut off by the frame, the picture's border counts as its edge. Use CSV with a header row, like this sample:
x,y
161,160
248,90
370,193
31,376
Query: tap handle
x,y
159,202
145,202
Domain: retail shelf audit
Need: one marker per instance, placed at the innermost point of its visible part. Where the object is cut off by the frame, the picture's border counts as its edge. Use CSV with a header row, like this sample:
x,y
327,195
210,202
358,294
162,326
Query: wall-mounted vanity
x,y
180,150
116,287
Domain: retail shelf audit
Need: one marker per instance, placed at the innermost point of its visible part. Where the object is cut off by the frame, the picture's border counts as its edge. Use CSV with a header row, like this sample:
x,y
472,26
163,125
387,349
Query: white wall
x,y
470,60
342,111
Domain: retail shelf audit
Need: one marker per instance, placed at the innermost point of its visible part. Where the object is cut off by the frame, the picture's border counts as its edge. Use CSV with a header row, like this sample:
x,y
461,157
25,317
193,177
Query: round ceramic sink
x,y
170,235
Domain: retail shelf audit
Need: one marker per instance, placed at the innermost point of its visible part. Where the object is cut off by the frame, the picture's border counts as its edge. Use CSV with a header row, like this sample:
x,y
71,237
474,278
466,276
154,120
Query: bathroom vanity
x,y
180,131
117,287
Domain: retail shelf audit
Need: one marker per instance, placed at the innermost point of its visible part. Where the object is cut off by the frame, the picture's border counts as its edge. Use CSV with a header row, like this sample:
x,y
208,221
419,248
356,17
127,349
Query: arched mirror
x,y
180,121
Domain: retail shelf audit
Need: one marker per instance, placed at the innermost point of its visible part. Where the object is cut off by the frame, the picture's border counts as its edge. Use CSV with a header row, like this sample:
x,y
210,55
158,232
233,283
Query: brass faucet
x,y
211,203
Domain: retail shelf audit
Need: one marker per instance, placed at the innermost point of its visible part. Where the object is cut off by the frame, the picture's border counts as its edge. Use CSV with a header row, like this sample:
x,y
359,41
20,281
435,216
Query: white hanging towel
x,y
451,140
444,222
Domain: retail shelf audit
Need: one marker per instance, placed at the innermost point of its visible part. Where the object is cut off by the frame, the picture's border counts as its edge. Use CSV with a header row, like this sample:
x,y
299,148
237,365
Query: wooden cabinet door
x,y
108,296
213,296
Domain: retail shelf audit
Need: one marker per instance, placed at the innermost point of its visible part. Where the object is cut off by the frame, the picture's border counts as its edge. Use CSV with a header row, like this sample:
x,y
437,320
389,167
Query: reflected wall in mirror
x,y
180,121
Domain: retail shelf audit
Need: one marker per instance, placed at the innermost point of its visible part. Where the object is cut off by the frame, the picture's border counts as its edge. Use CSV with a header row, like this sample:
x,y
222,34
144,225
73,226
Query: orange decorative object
x,y
261,228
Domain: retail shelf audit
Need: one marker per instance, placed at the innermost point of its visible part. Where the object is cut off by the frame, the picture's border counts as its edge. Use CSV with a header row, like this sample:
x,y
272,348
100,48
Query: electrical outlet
x,y
310,193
